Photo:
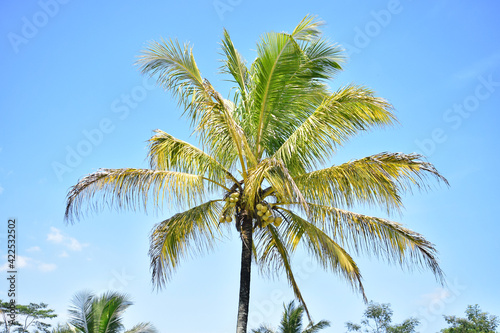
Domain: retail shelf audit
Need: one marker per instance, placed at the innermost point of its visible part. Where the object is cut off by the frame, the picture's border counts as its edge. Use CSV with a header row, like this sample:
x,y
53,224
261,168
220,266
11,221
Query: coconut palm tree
x,y
101,314
292,322
262,165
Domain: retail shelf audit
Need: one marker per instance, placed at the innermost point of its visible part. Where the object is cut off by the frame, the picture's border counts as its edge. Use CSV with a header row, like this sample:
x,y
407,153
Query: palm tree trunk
x,y
246,264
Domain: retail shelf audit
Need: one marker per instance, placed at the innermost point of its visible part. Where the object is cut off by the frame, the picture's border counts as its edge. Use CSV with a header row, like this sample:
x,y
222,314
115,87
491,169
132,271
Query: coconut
x,y
277,221
228,219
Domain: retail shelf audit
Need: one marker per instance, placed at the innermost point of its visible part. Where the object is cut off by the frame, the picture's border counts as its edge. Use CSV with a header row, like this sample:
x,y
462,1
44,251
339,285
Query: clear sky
x,y
72,102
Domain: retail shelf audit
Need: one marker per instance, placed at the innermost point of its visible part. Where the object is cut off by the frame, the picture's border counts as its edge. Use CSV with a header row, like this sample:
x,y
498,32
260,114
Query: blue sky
x,y
72,102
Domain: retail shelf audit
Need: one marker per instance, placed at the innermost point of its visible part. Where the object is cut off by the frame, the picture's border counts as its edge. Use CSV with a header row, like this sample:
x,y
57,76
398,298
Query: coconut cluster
x,y
266,215
232,200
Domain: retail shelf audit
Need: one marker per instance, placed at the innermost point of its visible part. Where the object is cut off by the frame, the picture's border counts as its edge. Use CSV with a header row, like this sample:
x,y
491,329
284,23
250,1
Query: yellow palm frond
x,y
169,153
340,116
274,257
327,252
375,180
186,234
282,184
132,189
376,236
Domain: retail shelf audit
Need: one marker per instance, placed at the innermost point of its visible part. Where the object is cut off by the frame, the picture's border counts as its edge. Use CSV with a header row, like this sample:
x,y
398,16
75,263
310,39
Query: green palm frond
x,y
379,237
132,188
234,64
90,313
107,310
279,56
313,328
176,71
192,232
169,153
377,180
339,116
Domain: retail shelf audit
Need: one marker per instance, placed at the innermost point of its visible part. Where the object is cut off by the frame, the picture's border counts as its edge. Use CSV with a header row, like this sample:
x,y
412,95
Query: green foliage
x,y
377,318
476,321
90,313
29,317
291,322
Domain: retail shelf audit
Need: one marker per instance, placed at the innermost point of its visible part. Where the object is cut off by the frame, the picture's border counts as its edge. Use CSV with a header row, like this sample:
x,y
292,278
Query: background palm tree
x,y
101,314
292,322
257,166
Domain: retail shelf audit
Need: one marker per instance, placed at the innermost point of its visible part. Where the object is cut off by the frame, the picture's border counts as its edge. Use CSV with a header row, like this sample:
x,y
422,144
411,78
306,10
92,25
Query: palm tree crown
x,y
90,313
291,322
261,165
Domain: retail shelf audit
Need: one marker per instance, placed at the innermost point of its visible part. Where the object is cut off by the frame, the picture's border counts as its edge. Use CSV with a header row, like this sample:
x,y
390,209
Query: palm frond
x,y
313,328
142,328
279,57
107,310
375,180
327,252
132,188
169,153
274,257
291,322
192,232
340,116
234,64
282,184
210,114
263,329
80,312
376,236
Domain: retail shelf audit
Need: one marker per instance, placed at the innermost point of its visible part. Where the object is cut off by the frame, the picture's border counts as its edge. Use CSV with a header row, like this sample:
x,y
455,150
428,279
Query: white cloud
x,y
33,249
55,235
72,244
23,262
1,189
64,254
47,267
75,245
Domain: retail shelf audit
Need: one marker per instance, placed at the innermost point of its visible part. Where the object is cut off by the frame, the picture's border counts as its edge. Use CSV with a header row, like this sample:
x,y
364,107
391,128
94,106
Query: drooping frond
x,y
376,236
375,180
274,257
177,72
133,189
169,153
192,232
340,116
325,250
313,328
